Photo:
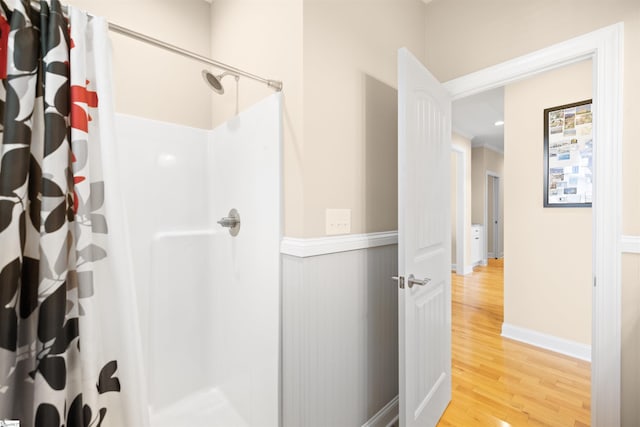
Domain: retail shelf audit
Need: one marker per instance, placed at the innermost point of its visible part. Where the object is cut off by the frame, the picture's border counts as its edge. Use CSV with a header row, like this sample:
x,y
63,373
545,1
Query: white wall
x,y
547,272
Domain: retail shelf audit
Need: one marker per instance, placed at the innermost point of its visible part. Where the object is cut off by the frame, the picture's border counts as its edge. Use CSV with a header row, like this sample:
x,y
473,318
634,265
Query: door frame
x,y
461,210
605,47
497,176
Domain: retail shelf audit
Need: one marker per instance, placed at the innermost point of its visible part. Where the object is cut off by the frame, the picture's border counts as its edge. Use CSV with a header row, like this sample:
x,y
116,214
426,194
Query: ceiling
x,y
474,118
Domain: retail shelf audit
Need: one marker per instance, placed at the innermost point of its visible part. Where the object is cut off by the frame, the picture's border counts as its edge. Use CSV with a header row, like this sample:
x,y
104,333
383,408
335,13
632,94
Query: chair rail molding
x,y
315,246
630,244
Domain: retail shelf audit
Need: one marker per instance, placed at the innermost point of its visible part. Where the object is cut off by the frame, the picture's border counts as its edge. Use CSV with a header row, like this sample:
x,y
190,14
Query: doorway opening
x,y
493,221
604,47
481,296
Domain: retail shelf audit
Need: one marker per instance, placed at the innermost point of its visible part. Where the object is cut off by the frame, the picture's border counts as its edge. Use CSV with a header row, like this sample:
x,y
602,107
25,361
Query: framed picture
x,y
568,156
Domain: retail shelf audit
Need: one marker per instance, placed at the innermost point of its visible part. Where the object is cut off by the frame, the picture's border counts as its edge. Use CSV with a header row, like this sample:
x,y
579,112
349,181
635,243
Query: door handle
x,y
400,280
411,280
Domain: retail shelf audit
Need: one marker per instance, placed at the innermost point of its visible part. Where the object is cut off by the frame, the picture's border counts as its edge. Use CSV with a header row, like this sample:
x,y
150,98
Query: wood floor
x,y
500,382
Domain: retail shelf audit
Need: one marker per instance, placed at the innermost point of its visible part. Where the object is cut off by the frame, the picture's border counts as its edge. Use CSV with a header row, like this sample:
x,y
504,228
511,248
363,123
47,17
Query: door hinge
x,y
594,281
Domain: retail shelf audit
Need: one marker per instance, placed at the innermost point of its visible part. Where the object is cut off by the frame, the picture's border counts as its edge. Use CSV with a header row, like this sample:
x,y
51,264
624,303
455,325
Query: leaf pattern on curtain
x,y
51,222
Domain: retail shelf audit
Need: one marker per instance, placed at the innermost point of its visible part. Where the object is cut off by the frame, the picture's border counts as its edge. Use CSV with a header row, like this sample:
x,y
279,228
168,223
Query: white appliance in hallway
x,y
477,244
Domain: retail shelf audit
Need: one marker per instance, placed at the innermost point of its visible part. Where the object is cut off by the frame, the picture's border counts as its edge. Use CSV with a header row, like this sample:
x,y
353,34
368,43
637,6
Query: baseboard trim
x,y
480,263
548,342
630,244
467,269
386,416
303,248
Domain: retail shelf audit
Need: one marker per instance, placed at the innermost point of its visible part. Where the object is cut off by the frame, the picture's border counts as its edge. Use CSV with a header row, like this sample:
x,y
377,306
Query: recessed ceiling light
x,y
499,123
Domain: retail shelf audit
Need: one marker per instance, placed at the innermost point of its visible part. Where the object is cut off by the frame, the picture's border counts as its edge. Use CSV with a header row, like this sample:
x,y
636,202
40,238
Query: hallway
x,y
500,382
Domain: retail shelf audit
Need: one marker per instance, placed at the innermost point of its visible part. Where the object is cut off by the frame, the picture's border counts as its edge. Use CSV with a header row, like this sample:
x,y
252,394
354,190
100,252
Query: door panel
x,y
424,243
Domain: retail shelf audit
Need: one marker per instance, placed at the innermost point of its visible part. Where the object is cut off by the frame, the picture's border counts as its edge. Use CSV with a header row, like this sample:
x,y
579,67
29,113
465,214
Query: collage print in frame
x,y
568,155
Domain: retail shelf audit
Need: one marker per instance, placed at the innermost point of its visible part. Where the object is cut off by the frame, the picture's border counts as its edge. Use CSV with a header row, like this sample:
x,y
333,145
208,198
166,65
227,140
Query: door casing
x,y
605,47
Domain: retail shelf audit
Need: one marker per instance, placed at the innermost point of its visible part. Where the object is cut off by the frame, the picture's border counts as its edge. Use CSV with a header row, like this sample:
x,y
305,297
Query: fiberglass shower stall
x,y
209,302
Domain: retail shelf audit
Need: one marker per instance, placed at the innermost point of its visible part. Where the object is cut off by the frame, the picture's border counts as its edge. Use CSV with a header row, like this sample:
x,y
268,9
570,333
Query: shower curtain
x,y
69,353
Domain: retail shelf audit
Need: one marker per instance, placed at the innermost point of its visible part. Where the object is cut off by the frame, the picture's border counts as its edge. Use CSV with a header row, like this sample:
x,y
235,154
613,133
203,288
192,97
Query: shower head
x,y
213,81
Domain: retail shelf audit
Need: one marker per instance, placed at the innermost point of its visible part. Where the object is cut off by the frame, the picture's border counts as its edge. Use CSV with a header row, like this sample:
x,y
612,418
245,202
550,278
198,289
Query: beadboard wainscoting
x,y
339,331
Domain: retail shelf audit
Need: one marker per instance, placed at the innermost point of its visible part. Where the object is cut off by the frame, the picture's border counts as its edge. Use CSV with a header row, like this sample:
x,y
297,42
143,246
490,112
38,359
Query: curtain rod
x,y
275,84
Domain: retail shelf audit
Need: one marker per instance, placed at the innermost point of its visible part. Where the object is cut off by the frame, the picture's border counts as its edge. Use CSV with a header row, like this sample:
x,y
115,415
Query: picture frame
x,y
568,155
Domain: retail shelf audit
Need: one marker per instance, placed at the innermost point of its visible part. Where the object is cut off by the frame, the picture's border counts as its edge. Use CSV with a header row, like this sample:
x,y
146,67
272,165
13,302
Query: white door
x,y
424,239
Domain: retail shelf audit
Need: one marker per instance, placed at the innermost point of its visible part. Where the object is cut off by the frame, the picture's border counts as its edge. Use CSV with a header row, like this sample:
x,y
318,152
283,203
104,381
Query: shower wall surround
x,y
209,303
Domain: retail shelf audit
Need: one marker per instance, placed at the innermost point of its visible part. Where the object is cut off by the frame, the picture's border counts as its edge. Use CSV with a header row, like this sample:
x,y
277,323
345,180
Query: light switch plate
x,y
338,221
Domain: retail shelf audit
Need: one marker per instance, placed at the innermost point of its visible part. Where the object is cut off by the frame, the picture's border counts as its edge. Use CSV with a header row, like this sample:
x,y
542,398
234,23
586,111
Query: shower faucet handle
x,y
228,222
232,222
